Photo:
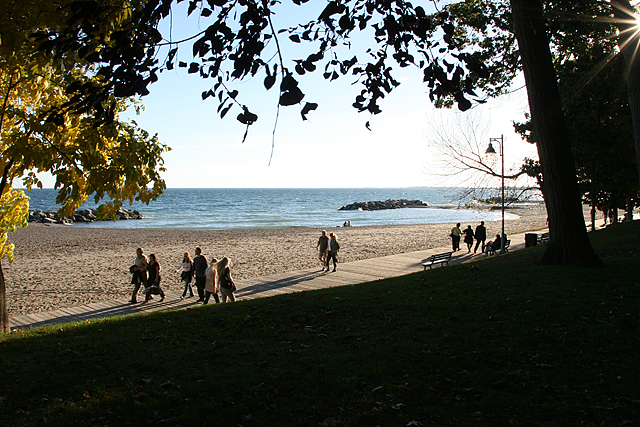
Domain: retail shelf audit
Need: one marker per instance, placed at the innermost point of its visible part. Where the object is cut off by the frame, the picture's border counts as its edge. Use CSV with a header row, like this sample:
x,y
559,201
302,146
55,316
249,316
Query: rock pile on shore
x,y
81,215
387,204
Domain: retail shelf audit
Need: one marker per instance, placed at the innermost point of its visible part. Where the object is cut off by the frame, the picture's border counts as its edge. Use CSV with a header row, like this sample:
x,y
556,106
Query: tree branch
x,y
279,52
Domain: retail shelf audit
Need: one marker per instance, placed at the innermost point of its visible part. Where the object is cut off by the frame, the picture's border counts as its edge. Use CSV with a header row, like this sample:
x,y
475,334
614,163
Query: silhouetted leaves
x,y
309,106
231,48
290,93
207,94
332,8
225,110
192,6
247,117
269,81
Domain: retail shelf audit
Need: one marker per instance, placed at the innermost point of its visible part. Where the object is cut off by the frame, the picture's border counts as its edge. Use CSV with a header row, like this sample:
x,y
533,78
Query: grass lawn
x,y
498,342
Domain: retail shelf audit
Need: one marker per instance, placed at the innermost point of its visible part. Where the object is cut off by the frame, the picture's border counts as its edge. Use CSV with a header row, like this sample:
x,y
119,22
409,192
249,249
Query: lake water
x,y
221,209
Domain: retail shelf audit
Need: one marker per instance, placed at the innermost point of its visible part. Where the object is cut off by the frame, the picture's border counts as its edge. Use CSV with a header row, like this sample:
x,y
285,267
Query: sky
x,y
333,149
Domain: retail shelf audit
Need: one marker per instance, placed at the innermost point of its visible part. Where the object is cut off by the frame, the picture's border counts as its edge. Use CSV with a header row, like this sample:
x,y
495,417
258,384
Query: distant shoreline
x,y
512,212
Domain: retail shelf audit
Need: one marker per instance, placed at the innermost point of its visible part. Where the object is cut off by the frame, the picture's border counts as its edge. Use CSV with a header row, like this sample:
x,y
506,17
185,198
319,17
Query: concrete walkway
x,y
350,273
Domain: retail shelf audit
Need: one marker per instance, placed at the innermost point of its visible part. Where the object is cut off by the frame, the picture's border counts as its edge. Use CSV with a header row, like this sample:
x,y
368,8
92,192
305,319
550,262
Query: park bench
x,y
442,258
544,238
492,251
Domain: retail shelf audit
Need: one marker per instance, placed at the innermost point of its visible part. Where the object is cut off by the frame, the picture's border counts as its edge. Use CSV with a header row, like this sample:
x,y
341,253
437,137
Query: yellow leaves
x,y
14,213
6,249
14,209
118,162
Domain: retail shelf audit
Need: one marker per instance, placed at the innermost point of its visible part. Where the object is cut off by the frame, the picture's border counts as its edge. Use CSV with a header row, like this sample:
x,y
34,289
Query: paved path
x,y
350,273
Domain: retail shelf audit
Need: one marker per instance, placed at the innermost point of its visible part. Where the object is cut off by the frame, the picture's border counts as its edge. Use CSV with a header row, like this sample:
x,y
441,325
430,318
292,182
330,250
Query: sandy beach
x,y
65,266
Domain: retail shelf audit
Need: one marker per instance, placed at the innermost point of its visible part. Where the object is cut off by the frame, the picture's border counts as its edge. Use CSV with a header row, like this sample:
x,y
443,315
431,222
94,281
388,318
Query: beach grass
x,y
502,341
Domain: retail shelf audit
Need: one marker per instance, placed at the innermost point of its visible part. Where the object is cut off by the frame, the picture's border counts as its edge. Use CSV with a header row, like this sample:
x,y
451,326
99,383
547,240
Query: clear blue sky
x,y
332,149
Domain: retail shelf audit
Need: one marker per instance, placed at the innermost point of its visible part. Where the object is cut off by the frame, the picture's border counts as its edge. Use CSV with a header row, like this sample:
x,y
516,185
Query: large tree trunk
x,y
4,311
629,44
568,238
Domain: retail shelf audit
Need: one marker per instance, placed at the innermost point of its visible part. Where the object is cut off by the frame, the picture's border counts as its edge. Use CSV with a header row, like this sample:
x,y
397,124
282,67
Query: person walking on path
x,y
153,282
211,282
199,267
333,246
455,237
468,238
227,285
481,236
322,248
186,274
139,272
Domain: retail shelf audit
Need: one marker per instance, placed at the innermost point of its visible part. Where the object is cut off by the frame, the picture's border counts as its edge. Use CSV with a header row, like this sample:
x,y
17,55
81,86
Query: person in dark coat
x,y
468,237
199,267
481,236
153,281
322,248
227,285
333,248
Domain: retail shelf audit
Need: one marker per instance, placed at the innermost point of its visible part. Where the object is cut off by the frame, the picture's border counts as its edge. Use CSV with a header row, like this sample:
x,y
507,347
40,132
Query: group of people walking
x,y
211,277
214,277
480,236
328,247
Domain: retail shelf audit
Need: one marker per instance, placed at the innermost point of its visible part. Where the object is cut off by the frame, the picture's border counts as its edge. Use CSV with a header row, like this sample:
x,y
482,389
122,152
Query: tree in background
x,y
458,145
591,81
567,27
600,126
242,42
629,43
115,161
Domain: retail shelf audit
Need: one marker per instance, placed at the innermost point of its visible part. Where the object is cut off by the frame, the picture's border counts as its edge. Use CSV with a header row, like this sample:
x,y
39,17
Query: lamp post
x,y
491,150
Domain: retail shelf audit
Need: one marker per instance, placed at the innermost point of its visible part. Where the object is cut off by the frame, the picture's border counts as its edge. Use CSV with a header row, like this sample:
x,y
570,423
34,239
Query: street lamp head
x,y
490,149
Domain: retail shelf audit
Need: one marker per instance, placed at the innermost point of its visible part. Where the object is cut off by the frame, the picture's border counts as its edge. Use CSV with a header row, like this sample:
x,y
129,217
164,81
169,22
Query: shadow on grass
x,y
502,341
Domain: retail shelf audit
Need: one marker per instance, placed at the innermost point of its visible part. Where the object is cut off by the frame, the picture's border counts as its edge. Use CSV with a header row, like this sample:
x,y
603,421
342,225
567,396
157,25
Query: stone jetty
x,y
387,204
81,215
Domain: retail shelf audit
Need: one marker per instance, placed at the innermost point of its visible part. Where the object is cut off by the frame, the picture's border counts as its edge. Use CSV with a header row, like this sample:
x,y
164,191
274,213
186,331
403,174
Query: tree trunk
x,y
629,43
568,238
4,311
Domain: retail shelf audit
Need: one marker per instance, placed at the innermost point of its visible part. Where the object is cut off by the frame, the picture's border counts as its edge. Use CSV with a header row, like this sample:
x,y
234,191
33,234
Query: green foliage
x,y
600,124
485,28
117,161
38,133
501,341
597,113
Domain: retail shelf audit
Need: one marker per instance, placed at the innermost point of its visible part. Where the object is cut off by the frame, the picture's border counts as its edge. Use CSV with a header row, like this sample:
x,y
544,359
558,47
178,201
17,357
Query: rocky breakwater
x,y
387,204
81,215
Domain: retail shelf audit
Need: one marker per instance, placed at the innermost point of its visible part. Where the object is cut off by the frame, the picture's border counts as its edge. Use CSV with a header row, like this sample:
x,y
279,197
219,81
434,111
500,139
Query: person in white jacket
x,y
211,282
186,274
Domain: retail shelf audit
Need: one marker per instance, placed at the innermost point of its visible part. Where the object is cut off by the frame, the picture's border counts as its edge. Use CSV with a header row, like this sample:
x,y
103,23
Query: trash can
x,y
530,239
